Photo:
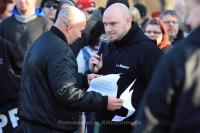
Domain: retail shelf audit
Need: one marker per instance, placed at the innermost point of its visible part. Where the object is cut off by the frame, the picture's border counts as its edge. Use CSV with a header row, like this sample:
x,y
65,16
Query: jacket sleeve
x,y
67,85
151,58
14,56
155,112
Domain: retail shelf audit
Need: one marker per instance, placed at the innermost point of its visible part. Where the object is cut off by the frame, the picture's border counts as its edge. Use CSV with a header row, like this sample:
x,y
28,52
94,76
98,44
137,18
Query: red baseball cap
x,y
83,4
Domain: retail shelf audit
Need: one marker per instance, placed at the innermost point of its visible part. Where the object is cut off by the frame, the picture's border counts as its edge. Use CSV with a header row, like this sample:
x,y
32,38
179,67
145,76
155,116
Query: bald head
x,y
117,21
71,22
70,15
118,9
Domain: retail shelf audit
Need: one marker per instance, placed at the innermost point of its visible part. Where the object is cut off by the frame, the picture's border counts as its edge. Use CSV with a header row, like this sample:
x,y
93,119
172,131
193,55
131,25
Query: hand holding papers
x,y
107,85
126,96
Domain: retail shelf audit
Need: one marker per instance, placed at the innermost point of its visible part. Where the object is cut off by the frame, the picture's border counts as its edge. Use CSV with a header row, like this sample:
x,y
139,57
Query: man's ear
x,y
130,19
69,28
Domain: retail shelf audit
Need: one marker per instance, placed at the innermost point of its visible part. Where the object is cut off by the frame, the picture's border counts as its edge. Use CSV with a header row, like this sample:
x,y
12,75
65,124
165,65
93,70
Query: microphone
x,y
103,42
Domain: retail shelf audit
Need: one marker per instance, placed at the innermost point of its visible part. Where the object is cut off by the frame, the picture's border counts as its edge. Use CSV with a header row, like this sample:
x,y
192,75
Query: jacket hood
x,y
194,36
135,34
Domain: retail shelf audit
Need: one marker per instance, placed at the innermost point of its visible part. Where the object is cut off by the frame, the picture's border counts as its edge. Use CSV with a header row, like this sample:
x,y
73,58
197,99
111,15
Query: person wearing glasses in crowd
x,y
171,19
156,30
50,8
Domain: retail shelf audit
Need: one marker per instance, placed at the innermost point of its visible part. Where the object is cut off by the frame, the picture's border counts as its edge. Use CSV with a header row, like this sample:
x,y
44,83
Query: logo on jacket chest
x,y
122,66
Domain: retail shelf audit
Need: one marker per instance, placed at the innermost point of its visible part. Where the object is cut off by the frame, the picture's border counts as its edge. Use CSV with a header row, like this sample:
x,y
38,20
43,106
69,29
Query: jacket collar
x,y
129,36
194,36
56,31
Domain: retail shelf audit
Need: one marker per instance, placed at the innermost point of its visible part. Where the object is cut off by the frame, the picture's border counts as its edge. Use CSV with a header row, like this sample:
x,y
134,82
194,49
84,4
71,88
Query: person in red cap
x,y
87,6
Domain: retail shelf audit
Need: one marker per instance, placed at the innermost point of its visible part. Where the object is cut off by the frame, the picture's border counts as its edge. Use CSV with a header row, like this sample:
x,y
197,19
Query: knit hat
x,y
110,2
142,9
44,1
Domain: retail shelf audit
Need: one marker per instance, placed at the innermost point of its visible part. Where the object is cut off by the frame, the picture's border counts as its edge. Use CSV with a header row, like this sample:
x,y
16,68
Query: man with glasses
x,y
50,8
171,19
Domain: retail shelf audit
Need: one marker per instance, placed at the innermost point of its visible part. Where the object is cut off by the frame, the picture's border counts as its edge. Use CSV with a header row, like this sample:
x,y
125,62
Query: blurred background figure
x,y
25,25
135,14
156,30
6,7
143,13
50,8
171,103
10,71
171,19
92,47
87,6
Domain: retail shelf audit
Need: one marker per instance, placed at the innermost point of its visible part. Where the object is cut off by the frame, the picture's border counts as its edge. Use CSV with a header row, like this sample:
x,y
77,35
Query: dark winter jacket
x,y
172,102
22,35
10,60
52,92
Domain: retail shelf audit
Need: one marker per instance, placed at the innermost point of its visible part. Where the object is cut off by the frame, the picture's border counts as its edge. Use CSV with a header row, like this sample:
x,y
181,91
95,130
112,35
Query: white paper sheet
x,y
126,97
106,85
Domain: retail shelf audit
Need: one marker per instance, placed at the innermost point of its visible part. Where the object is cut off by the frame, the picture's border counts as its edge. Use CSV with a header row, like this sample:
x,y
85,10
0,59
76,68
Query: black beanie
x,y
142,9
43,1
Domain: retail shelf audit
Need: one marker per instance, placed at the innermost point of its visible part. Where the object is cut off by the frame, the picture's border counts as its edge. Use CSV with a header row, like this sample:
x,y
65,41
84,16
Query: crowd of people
x,y
51,54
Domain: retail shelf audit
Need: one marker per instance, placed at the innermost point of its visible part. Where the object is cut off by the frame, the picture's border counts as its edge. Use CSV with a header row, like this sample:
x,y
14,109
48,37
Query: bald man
x,y
130,53
52,92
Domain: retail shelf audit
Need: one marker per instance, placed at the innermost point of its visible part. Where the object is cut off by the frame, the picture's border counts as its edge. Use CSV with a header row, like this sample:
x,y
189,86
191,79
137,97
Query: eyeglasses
x,y
49,5
169,12
168,22
154,32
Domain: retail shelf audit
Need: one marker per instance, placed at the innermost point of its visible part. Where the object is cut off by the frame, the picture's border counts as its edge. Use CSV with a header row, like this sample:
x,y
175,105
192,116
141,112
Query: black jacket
x,y
179,38
10,60
52,92
136,56
172,102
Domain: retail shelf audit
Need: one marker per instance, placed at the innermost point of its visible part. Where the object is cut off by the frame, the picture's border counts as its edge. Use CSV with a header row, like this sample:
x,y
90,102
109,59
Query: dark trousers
x,y
115,129
31,128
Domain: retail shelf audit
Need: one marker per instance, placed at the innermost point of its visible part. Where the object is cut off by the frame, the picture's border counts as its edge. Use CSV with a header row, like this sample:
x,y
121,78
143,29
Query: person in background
x,y
143,12
10,71
171,20
52,91
6,7
92,47
50,8
171,103
135,14
87,6
129,53
156,30
25,25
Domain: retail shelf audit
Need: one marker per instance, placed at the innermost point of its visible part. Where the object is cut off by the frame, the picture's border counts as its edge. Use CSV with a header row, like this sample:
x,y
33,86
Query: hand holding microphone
x,y
96,61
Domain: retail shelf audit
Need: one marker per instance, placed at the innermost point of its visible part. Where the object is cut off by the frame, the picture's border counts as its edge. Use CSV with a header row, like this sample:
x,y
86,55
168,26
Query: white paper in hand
x,y
106,85
126,97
